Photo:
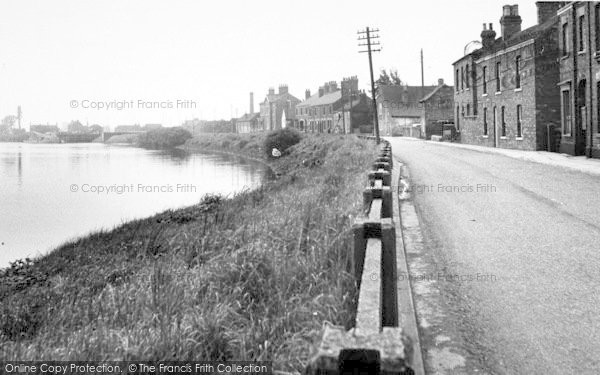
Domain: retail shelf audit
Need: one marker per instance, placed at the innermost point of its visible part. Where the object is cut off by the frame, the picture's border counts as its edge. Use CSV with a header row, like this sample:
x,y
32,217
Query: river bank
x,y
247,278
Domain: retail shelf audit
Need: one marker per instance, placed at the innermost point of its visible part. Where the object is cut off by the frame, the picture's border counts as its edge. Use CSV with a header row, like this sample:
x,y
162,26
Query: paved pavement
x,y
578,163
508,277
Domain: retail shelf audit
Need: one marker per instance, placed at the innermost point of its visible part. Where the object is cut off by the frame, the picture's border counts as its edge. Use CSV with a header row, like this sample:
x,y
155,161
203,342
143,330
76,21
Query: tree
x,y
8,122
76,127
391,79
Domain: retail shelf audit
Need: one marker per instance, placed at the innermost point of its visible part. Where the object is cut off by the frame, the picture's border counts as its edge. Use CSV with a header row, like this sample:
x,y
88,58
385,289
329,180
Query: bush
x,y
281,139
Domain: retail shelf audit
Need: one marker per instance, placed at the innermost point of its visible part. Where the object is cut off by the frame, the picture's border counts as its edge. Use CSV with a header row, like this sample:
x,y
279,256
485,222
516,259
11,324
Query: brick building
x,y
400,110
437,109
505,92
316,113
579,85
249,122
276,107
356,116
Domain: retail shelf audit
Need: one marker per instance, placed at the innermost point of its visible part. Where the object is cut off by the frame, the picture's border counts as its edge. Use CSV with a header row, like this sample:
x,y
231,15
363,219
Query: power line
x,y
371,41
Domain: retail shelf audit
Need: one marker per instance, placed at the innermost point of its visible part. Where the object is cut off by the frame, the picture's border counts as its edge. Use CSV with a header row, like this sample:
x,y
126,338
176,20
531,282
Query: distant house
x,y
355,116
44,129
400,111
437,109
316,114
273,107
248,123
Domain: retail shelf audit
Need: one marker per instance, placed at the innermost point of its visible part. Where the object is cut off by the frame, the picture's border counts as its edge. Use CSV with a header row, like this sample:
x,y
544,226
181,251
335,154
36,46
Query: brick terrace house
x,y
276,107
316,114
437,109
399,108
579,36
505,93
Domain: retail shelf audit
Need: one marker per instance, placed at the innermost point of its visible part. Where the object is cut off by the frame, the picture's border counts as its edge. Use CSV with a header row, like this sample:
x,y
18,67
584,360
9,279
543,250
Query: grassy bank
x,y
249,145
252,277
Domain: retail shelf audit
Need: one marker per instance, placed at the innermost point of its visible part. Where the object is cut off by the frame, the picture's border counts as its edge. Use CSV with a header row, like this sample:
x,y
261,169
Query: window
x,y
581,40
462,78
467,73
498,77
494,121
503,123
518,72
485,128
566,102
484,77
456,80
519,117
565,40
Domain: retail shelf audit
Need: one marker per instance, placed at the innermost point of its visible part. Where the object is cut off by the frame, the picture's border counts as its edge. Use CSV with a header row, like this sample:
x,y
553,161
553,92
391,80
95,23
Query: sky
x,y
166,61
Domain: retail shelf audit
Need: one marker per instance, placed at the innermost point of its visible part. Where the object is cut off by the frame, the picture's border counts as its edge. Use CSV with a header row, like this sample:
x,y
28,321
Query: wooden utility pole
x,y
422,76
19,115
369,37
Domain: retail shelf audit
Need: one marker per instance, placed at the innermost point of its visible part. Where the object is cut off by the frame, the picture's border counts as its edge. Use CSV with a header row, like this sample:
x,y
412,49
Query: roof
x,y
316,100
432,93
409,95
499,44
280,97
249,116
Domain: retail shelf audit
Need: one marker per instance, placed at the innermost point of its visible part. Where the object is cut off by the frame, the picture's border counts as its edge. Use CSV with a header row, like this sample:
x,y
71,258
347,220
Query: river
x,y
52,193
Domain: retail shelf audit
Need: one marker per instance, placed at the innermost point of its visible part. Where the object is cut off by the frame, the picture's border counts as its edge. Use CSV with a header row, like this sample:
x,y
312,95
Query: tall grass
x,y
248,278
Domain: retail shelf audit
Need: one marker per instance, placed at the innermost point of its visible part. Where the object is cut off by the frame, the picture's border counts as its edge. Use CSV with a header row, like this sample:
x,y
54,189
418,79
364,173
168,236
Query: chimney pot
x,y
307,94
510,22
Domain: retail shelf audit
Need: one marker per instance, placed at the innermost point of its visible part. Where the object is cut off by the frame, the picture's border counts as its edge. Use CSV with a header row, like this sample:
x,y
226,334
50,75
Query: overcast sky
x,y
214,52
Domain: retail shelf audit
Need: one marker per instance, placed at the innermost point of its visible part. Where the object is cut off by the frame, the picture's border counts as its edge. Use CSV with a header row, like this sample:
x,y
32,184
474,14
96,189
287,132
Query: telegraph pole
x,y
19,115
366,35
422,76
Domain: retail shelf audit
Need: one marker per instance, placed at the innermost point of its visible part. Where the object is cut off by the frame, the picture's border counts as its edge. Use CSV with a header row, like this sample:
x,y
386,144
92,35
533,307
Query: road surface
x,y
508,281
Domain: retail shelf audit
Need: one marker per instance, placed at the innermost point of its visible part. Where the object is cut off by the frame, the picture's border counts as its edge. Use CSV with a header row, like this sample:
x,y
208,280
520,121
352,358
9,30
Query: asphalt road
x,y
514,248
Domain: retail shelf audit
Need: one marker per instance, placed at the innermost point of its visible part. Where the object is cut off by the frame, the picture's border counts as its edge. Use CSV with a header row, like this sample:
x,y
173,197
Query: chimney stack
x,y
251,103
546,10
283,89
510,22
488,36
271,91
307,94
321,91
